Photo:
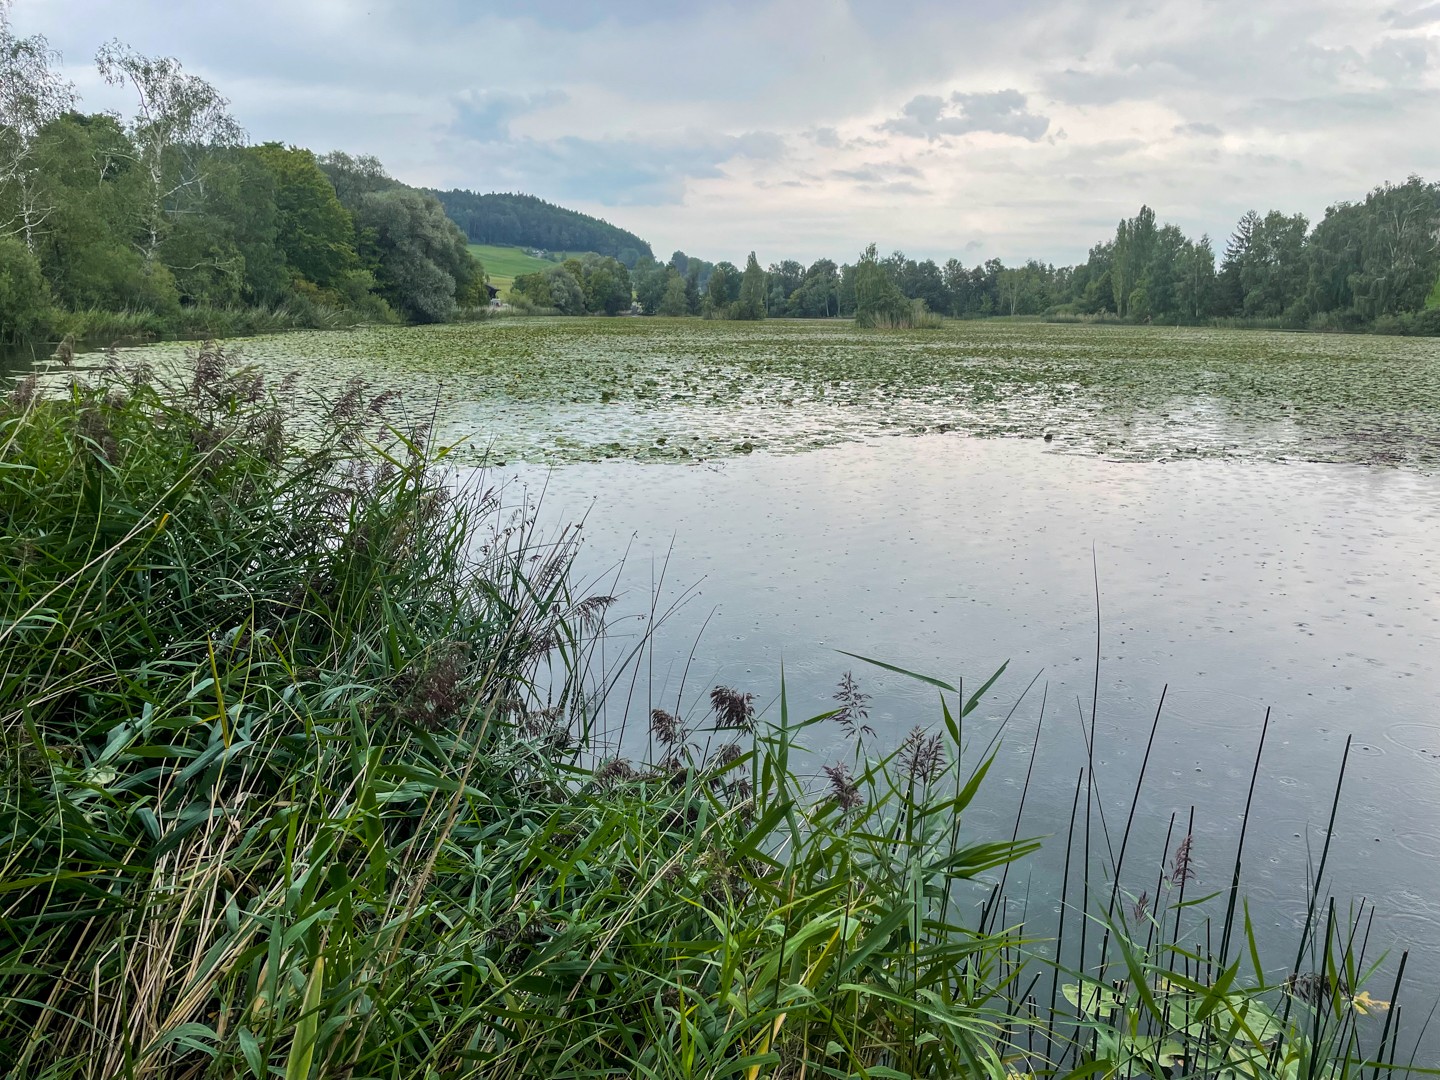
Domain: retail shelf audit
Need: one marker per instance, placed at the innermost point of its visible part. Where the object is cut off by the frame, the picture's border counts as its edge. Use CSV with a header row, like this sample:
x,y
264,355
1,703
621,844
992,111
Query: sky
x,y
809,128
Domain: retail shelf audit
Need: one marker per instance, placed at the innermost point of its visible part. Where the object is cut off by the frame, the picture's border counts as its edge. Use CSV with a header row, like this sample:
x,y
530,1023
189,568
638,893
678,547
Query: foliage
x,y
879,303
164,213
525,221
32,95
750,303
421,262
1367,265
177,117
704,390
315,234
24,293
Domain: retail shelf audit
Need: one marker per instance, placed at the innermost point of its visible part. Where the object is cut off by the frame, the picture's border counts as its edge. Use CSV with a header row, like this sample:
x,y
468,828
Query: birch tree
x,y
32,94
178,118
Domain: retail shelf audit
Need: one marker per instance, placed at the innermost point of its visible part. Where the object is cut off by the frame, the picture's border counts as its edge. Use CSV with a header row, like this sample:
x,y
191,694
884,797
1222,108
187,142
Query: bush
x,y
24,293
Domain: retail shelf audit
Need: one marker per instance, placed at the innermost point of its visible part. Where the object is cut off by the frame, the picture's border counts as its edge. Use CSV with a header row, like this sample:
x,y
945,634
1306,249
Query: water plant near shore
x,y
568,390
303,780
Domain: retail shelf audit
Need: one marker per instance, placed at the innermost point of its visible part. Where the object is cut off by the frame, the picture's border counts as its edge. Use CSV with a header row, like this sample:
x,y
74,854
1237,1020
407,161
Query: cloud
x,y
625,171
1410,20
1002,112
1400,60
897,188
876,172
778,123
485,115
1196,127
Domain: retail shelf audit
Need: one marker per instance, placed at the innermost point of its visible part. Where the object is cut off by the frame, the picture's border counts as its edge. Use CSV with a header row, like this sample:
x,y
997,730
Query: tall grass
x,y
303,780
906,315
299,313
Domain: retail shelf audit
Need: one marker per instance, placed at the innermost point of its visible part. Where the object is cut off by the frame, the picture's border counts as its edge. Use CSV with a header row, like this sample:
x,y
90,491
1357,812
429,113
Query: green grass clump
x,y
303,779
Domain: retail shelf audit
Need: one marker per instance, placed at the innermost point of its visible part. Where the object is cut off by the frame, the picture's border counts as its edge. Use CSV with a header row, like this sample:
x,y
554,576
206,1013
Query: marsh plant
x,y
304,779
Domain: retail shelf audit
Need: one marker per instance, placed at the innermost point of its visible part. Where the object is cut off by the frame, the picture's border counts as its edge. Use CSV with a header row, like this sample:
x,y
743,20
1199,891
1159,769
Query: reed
x,y
307,775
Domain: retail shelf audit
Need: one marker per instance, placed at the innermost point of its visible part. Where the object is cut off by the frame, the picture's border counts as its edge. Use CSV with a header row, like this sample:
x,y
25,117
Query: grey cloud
x,y
619,171
899,187
1090,87
827,137
864,174
485,115
1002,112
1409,20
761,145
1196,127
876,172
1400,59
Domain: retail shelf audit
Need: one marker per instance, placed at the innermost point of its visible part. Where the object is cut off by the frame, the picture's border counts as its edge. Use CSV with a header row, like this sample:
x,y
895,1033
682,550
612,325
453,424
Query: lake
x,y
1261,511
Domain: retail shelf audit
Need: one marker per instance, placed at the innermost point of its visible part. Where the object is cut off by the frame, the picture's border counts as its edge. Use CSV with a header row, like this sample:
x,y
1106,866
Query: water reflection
x,y
1304,588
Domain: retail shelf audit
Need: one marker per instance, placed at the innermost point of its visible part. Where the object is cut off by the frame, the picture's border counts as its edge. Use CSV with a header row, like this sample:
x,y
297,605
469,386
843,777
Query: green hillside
x,y
505,264
523,220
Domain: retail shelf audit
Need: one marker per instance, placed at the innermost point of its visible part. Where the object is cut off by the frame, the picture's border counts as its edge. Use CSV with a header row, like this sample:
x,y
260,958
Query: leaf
x,y
1363,1003
903,671
978,694
302,1050
1099,999
250,1047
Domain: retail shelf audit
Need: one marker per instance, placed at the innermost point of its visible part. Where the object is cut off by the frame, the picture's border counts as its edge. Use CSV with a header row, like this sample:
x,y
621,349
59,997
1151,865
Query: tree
x,y
818,296
224,251
751,302
1195,287
24,293
605,281
651,279
32,95
566,294
315,232
878,301
722,290
422,261
674,300
178,117
1401,246
1133,248
693,302
94,184
354,177
1272,273
1232,267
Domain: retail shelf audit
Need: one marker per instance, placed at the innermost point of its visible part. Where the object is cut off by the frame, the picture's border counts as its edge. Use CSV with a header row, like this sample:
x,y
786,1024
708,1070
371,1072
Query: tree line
x,y
1372,264
165,220
524,221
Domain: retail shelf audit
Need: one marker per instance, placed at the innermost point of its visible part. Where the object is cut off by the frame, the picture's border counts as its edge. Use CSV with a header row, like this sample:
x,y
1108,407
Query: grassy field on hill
x,y
505,264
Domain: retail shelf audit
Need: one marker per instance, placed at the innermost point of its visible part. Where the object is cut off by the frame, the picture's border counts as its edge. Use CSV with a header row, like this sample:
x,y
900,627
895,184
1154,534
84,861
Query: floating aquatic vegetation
x,y
561,390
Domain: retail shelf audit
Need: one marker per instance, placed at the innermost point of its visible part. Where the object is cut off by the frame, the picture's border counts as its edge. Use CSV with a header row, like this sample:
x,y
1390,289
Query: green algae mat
x,y
562,390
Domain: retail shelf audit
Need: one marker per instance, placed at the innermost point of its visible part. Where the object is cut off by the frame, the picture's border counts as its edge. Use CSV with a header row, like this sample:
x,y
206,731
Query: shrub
x,y
24,293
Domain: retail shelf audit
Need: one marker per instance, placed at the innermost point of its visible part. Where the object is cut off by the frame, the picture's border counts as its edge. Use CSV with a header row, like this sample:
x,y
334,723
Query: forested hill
x,y
525,221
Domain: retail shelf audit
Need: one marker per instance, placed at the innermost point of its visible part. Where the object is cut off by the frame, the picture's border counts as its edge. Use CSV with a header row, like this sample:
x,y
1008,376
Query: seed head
x,y
733,709
843,788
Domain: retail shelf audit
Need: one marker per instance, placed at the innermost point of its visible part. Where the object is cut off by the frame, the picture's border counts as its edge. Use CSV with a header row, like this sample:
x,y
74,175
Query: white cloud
x,y
809,127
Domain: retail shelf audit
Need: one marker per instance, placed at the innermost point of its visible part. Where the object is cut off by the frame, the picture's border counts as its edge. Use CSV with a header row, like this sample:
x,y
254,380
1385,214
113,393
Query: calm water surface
x,y
1262,513
1307,589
